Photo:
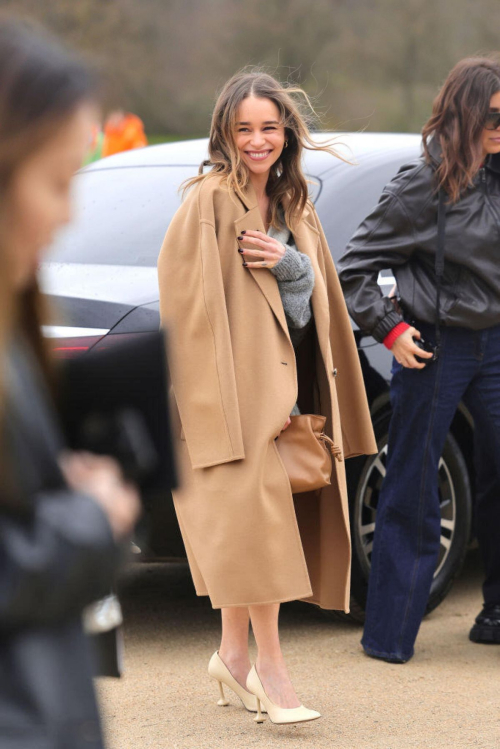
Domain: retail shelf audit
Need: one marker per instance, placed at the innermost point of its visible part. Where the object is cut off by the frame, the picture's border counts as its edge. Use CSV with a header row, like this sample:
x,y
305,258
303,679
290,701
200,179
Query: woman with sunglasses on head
x,y
257,324
457,177
62,514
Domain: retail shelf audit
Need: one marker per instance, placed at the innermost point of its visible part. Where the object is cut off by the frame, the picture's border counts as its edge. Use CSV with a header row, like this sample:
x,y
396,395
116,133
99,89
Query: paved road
x,y
447,696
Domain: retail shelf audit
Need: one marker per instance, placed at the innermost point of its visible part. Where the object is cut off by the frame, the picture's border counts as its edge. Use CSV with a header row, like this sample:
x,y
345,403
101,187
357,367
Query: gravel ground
x,y
446,696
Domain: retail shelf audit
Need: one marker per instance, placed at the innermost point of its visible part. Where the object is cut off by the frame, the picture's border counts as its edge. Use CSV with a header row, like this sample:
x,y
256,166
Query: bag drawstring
x,y
334,449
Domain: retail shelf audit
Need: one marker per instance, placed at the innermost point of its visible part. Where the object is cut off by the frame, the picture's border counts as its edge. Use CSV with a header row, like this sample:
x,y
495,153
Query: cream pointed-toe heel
x,y
279,715
218,670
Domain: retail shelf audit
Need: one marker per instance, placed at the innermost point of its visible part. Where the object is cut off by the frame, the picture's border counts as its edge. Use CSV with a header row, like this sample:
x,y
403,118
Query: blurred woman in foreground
x,y
61,514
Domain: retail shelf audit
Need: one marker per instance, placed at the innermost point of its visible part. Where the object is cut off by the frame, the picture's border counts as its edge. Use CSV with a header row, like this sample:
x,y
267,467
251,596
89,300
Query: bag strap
x,y
334,449
439,266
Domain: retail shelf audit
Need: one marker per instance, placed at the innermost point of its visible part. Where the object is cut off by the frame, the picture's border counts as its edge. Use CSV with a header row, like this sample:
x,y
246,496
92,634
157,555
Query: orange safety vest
x,y
127,135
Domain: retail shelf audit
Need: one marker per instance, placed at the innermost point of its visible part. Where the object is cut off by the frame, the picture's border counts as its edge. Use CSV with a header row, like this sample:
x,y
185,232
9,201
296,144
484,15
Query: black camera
x,y
432,348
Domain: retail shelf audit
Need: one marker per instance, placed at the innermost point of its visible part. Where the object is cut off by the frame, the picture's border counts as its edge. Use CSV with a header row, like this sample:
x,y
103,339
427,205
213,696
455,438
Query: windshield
x,y
121,215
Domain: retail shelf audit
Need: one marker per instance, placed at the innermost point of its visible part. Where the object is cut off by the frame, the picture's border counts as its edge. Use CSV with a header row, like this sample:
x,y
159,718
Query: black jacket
x,y
401,234
56,556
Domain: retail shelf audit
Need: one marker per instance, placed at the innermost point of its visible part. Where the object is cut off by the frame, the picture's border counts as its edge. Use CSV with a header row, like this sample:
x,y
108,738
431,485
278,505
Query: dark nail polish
x,y
240,250
240,238
245,264
244,231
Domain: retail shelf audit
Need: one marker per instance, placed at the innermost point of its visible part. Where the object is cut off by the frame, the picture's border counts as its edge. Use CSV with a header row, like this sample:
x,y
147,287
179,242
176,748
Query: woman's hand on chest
x,y
264,251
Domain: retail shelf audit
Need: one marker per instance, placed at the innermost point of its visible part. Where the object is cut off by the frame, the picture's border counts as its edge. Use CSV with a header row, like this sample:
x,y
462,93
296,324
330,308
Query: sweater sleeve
x,y
391,337
295,276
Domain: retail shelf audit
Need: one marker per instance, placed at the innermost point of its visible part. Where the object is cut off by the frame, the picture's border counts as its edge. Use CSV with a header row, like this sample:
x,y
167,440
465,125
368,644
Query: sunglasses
x,y
492,121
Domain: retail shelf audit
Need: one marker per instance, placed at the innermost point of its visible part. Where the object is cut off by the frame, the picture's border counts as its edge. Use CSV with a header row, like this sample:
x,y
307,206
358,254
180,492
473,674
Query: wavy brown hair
x,y
286,177
457,121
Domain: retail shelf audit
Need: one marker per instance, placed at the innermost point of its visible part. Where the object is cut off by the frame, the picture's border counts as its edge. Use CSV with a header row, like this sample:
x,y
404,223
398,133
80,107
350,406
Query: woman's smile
x,y
259,155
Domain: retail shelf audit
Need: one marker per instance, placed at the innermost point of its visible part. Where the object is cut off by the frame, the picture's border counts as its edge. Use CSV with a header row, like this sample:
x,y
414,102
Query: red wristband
x,y
395,333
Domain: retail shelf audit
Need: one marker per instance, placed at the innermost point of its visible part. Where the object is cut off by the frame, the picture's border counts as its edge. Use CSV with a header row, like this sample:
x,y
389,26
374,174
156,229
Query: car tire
x,y
456,503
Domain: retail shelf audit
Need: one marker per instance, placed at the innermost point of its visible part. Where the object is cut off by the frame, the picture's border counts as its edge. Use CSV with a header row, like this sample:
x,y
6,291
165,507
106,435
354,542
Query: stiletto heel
x,y
222,702
218,670
276,713
259,718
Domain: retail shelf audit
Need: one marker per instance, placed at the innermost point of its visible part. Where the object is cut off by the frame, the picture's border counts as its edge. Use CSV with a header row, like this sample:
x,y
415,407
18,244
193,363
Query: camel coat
x,y
235,379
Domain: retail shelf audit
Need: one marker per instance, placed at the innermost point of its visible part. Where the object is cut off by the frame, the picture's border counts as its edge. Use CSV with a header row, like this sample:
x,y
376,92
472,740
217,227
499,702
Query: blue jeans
x,y
407,535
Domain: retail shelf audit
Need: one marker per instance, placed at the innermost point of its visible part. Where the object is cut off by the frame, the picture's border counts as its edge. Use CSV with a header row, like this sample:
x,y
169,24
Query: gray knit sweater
x,y
295,276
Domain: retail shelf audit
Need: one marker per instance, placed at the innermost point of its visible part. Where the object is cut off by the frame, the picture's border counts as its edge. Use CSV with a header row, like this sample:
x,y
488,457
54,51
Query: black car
x,y
102,275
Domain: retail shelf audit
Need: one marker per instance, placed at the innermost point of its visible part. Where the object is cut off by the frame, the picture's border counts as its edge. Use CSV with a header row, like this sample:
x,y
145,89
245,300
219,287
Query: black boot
x,y
487,626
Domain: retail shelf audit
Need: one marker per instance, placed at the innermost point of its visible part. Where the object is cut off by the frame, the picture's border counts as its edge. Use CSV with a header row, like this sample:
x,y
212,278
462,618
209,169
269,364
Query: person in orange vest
x,y
123,131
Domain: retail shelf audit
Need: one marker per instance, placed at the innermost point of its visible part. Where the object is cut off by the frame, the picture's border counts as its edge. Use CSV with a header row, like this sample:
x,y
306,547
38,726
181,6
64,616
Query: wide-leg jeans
x,y
408,524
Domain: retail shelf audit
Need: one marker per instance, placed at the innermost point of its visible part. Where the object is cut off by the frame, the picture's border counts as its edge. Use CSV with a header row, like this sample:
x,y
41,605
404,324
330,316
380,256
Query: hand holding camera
x,y
413,354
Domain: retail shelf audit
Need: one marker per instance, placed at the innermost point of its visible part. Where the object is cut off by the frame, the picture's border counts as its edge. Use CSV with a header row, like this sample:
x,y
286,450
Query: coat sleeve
x,y
385,240
193,311
54,562
357,430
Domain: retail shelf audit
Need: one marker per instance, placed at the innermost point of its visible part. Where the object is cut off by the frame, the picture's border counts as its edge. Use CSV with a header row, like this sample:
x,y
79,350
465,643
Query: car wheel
x,y
365,476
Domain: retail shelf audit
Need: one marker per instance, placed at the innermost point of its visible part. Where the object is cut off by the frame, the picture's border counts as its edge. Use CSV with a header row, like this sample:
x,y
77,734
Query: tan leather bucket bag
x,y
306,452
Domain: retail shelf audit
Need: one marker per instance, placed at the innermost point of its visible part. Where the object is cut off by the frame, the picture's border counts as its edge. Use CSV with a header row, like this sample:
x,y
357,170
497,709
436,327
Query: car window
x,y
122,215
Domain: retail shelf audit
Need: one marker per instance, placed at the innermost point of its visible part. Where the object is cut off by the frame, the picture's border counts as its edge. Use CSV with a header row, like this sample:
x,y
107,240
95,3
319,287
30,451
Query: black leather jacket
x,y
57,555
401,234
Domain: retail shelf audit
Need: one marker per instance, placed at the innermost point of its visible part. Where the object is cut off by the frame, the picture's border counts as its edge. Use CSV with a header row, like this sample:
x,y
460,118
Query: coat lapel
x,y
306,237
262,277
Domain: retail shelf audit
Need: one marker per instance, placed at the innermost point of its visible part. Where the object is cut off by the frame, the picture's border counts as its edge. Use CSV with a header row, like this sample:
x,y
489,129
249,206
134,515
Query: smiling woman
x,y
253,342
262,127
